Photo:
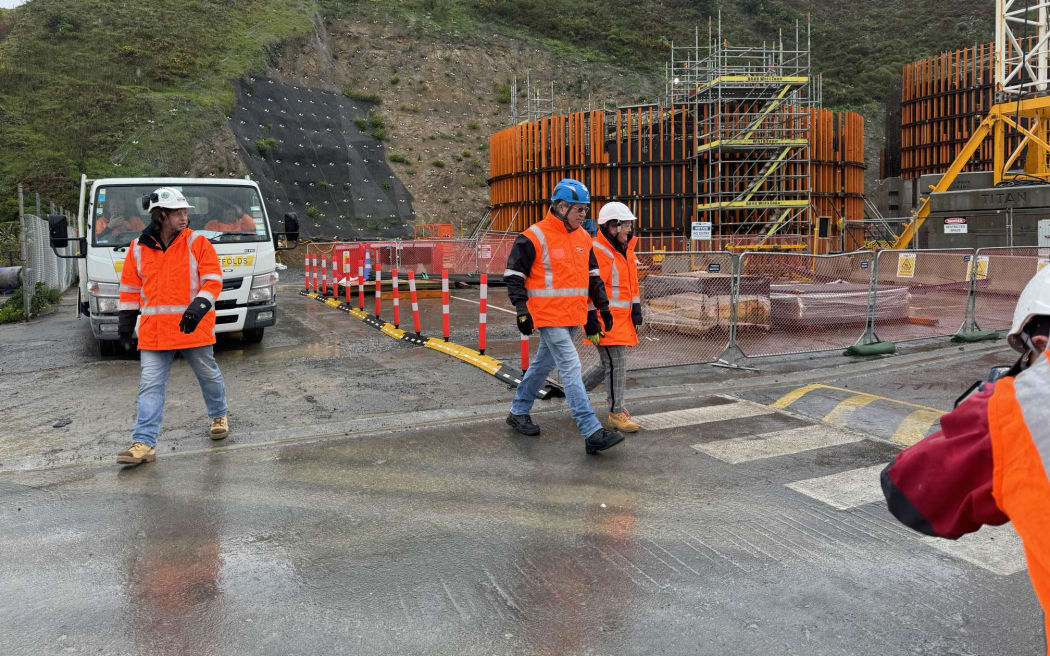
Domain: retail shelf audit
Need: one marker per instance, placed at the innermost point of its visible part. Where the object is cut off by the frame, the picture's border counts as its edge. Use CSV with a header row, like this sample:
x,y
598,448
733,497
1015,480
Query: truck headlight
x,y
103,296
260,294
264,280
107,305
107,289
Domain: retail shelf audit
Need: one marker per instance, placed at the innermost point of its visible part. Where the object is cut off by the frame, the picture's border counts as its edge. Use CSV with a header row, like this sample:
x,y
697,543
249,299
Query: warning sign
x,y
906,265
485,251
1041,264
955,225
982,267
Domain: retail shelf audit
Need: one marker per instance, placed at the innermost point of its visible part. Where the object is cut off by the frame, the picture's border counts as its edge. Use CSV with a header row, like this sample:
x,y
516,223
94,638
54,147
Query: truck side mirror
x,y
290,234
59,230
291,224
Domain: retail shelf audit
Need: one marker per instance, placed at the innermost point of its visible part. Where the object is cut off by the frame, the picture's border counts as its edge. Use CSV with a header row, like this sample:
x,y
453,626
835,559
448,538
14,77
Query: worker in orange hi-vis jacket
x,y
990,461
170,280
614,251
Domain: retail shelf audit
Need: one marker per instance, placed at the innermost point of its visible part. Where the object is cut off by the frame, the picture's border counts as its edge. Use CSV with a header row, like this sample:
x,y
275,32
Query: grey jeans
x,y
613,366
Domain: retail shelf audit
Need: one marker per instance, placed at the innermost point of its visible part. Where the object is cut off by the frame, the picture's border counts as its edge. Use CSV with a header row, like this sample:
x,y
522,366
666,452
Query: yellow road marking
x,y
841,414
796,394
914,426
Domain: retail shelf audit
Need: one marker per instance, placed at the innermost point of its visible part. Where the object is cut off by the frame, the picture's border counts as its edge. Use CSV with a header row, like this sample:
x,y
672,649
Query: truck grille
x,y
232,283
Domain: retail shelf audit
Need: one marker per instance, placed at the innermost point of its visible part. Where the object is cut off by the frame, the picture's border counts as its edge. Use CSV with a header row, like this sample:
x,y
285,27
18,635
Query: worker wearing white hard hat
x,y
614,250
988,463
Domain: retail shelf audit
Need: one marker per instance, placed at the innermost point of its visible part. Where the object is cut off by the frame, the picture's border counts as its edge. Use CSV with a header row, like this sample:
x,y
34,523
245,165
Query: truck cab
x,y
229,212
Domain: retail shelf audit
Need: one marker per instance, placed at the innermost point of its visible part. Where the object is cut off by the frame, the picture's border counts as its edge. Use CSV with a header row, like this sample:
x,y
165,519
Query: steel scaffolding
x,y
752,155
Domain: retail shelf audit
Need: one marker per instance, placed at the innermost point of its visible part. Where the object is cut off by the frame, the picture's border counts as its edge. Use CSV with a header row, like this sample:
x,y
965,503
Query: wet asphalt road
x,y
371,501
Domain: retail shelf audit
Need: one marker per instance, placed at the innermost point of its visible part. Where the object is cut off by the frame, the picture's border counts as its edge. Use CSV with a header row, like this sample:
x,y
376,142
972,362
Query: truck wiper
x,y
235,234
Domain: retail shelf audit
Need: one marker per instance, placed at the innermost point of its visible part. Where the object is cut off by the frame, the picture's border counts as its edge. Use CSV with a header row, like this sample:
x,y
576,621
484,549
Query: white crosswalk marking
x,y
844,490
997,549
779,443
703,415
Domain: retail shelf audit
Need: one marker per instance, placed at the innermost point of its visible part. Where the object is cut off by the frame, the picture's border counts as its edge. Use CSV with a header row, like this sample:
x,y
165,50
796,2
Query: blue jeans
x,y
155,368
556,349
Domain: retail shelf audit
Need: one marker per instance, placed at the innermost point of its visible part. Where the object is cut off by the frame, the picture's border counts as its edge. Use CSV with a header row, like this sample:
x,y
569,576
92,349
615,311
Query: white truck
x,y
229,212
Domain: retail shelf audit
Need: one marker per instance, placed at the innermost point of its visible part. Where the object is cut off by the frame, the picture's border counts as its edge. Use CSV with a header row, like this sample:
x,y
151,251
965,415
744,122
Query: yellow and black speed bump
x,y
495,368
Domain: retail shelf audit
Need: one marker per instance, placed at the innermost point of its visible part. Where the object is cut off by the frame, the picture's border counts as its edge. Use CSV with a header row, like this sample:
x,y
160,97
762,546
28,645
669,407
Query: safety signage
x,y
864,264
714,267
906,265
485,251
955,225
701,230
982,267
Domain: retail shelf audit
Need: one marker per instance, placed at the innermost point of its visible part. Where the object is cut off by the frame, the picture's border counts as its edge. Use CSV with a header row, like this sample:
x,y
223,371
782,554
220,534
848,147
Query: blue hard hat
x,y
571,191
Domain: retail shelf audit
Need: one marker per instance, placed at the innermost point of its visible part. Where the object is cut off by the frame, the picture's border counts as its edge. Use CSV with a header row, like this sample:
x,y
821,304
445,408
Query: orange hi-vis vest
x,y
1019,423
620,275
161,285
557,283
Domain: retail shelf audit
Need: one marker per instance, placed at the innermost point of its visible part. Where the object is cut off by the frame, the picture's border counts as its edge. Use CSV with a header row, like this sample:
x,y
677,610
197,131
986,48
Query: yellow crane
x,y
1021,105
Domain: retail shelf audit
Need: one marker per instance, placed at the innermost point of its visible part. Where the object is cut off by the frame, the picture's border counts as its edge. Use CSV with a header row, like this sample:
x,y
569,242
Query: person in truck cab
x,y
170,280
233,220
116,219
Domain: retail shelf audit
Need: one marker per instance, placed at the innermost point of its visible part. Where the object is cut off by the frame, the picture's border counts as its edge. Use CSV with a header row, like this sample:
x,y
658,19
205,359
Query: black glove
x,y
524,320
126,327
607,319
193,314
592,327
636,314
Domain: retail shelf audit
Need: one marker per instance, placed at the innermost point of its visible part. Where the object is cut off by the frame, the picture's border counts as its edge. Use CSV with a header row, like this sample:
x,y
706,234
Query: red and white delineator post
x,y
415,301
444,305
483,307
379,290
324,275
315,272
397,299
524,353
306,272
361,288
346,277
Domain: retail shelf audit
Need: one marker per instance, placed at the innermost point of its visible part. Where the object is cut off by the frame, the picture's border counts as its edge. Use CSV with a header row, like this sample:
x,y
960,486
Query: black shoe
x,y
523,424
602,439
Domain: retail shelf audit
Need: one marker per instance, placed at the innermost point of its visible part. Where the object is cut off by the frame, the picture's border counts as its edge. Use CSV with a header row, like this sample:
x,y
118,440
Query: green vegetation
x,y
472,125
364,96
438,164
394,80
127,88
503,94
400,159
43,297
312,211
414,109
265,146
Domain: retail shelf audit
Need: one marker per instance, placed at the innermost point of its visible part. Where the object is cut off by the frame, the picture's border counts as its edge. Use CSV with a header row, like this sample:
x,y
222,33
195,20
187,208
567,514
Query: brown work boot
x,y
220,427
136,454
622,422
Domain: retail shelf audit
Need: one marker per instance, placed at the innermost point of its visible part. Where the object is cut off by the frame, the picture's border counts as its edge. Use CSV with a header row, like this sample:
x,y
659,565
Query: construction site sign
x,y
982,267
906,265
955,225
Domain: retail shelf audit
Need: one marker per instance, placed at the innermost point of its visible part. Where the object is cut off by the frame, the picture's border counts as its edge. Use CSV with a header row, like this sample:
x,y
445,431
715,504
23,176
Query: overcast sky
x,y
11,3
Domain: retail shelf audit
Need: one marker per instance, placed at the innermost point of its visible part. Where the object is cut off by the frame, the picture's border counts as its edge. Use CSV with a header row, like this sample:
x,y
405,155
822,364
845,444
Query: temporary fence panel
x,y
798,302
686,307
937,287
999,276
40,264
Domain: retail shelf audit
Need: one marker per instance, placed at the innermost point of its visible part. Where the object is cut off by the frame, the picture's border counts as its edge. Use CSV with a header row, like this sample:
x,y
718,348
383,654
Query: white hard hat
x,y
615,212
167,197
1033,301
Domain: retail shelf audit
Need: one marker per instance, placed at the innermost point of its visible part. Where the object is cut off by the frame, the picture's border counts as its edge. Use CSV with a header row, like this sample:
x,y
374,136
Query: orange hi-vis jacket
x,y
620,275
558,281
1019,424
160,283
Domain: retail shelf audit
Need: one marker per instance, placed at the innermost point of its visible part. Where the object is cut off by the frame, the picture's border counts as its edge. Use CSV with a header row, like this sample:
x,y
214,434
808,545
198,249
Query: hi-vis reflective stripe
x,y
164,309
512,272
195,280
136,248
620,304
130,288
545,259
615,273
206,294
636,299
127,305
550,293
1030,389
211,276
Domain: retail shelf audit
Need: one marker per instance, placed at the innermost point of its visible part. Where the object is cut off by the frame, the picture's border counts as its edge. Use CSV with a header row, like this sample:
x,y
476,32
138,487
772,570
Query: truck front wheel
x,y
252,336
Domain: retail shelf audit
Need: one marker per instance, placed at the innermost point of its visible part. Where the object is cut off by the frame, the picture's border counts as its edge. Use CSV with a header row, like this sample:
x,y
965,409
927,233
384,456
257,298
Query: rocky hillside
x,y
119,88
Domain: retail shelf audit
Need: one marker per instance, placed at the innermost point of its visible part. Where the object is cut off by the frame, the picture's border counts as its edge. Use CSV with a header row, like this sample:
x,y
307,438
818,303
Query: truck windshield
x,y
223,213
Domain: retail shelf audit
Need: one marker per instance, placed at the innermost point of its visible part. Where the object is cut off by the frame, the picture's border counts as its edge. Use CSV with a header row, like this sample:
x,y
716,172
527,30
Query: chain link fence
x,y
998,278
935,286
43,274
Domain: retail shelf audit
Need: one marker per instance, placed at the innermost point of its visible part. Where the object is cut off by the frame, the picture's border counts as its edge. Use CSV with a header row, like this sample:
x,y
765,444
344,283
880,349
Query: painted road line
x,y
779,443
915,426
840,415
490,305
844,490
997,549
704,415
796,394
